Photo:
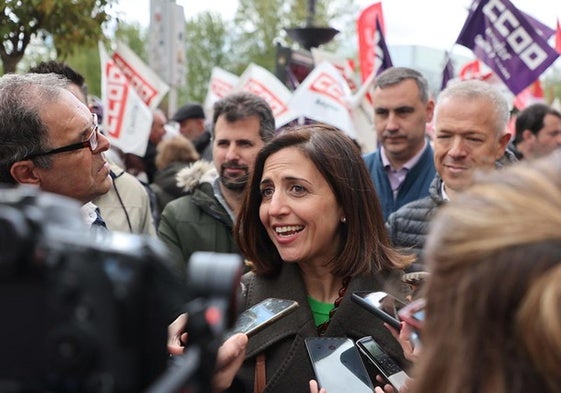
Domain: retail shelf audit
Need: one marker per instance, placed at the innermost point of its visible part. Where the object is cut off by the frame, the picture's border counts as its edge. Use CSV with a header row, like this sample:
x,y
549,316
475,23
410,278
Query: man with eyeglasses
x,y
49,139
126,206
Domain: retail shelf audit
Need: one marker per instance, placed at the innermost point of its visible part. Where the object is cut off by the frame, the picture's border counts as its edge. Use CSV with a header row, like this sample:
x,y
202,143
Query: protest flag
x,y
530,95
383,59
147,83
542,29
366,29
323,97
221,84
260,81
501,36
558,37
447,72
126,118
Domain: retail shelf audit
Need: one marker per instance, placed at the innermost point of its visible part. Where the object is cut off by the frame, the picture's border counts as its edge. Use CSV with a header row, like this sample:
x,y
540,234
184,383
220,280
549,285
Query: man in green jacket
x,y
203,219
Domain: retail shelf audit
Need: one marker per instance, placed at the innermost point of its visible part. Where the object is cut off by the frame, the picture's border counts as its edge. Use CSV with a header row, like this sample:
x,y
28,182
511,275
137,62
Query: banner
x,y
221,84
366,30
383,59
148,85
558,37
259,81
127,120
361,111
447,72
501,36
323,96
530,95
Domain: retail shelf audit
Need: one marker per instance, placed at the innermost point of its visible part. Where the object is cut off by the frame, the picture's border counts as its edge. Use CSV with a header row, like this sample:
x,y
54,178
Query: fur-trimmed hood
x,y
194,174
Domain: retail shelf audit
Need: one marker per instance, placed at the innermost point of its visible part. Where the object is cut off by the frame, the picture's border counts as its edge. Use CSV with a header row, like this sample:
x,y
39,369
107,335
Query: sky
x,y
433,23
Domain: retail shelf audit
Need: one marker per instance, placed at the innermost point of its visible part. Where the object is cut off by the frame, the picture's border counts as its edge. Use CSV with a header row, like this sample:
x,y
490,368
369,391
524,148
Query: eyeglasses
x,y
91,142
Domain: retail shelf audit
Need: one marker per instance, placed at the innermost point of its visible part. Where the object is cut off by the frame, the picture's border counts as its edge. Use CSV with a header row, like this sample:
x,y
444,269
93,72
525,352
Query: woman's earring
x,y
344,220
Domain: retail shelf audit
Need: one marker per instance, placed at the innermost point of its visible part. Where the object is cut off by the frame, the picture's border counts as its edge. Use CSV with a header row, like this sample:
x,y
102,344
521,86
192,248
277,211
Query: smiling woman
x,y
312,226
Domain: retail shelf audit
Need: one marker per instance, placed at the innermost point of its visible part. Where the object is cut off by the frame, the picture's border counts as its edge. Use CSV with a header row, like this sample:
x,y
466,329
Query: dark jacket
x,y
287,363
408,226
165,185
415,186
197,221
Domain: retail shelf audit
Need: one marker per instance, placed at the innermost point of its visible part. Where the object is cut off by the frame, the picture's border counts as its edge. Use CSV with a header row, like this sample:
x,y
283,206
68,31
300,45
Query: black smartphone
x,y
381,304
262,314
386,366
338,365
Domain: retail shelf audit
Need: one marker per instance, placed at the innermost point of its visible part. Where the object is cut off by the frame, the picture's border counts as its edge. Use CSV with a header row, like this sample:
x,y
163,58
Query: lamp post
x,y
311,36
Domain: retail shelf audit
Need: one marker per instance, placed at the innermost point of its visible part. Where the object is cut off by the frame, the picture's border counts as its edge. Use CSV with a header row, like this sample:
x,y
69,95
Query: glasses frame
x,y
92,143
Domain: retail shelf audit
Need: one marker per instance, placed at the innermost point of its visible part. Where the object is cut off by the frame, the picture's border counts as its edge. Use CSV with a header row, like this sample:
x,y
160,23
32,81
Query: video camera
x,y
88,312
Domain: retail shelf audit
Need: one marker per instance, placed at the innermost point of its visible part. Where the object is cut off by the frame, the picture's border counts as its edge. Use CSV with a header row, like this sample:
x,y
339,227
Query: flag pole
x,y
357,98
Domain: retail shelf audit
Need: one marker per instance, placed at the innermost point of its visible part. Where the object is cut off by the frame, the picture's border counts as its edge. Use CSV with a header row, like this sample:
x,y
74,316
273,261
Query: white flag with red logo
x,y
148,85
220,85
126,118
361,110
324,96
257,80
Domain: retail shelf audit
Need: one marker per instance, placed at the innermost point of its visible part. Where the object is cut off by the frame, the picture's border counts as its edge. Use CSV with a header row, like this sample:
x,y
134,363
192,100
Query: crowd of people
x,y
474,209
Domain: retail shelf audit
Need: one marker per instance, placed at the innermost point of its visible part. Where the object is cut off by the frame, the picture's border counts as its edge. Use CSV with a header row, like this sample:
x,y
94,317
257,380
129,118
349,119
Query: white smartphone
x,y
338,365
386,366
262,314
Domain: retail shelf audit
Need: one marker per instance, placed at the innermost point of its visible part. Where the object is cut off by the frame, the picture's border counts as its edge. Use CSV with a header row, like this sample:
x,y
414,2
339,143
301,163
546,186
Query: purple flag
x,y
545,31
383,59
501,36
447,73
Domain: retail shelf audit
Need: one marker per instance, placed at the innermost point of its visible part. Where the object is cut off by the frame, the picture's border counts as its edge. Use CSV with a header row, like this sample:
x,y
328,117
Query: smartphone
x,y
414,314
386,366
338,365
262,315
381,304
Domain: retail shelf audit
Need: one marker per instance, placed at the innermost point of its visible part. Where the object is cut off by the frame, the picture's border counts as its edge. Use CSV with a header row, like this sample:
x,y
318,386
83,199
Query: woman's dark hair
x,y
364,240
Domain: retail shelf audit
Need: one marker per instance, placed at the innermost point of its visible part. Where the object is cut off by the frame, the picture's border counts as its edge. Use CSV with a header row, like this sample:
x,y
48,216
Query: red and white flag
x,y
220,85
366,31
259,81
530,95
147,83
126,118
361,110
324,96
558,37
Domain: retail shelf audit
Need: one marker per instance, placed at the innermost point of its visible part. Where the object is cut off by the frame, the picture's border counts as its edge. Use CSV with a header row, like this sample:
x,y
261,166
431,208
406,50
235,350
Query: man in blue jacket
x,y
402,168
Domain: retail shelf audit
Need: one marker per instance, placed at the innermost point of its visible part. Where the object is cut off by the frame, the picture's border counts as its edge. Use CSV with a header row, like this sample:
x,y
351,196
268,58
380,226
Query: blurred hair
x,y
62,69
394,75
176,149
485,250
22,132
238,106
364,238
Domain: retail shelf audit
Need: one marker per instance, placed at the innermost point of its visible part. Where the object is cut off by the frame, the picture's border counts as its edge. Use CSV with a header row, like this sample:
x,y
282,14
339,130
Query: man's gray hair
x,y
22,131
476,89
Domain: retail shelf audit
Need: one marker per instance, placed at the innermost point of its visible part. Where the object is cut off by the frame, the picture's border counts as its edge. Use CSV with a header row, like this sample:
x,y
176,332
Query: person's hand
x,y
177,337
229,359
314,388
389,388
408,339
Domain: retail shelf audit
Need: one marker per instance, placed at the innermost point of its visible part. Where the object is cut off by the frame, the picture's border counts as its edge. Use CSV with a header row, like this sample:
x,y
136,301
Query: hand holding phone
x,y
338,365
383,305
386,366
263,314
414,314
